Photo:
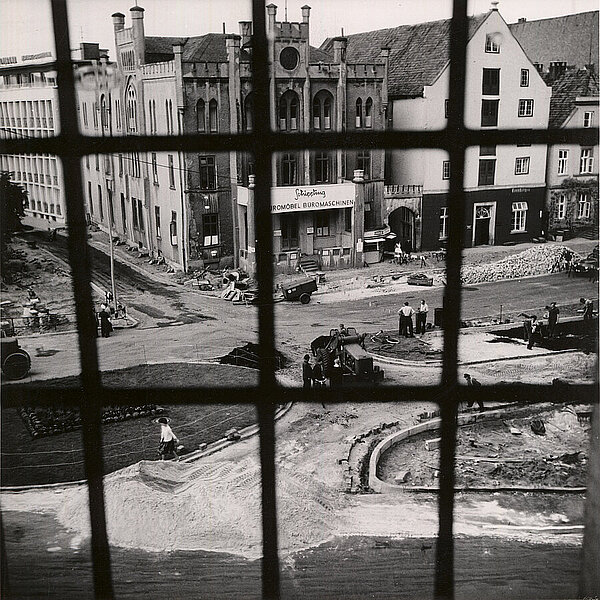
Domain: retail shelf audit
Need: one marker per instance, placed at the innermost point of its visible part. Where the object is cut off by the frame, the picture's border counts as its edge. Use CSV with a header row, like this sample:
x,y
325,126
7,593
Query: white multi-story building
x,y
29,108
504,185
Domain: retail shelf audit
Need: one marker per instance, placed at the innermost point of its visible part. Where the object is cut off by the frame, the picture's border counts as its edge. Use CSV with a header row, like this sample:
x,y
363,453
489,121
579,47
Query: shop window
x,y
489,113
289,168
322,223
584,206
522,165
526,108
487,171
586,161
491,82
208,174
210,229
348,219
519,217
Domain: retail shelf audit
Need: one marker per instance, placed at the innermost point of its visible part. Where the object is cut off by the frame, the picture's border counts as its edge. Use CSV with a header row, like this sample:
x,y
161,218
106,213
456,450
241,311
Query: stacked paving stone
x,y
537,260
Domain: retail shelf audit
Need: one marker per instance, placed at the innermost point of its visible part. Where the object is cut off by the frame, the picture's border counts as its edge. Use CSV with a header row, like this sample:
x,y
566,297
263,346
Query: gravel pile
x,y
534,261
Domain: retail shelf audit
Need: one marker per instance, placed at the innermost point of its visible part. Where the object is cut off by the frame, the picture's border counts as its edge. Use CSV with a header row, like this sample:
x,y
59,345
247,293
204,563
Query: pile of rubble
x,y
534,261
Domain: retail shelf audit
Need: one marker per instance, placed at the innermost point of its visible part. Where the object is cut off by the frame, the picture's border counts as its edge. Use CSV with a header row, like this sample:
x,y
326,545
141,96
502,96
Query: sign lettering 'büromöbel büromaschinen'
x,y
296,199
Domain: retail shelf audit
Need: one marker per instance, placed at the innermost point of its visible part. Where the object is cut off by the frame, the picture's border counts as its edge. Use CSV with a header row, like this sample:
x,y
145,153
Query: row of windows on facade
x,y
26,114
584,206
137,214
41,169
487,166
33,79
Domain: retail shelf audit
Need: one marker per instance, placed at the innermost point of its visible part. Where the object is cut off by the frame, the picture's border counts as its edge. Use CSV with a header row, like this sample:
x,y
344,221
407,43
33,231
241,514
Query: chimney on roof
x,y
305,13
539,67
245,32
494,4
557,69
522,20
339,49
591,68
137,30
272,15
118,21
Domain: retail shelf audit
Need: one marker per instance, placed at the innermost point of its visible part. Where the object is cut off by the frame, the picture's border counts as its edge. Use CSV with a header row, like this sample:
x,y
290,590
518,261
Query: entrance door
x,y
402,223
289,231
483,219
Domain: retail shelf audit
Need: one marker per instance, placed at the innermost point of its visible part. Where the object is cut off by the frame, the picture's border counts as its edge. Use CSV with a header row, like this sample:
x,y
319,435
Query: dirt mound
x,y
212,506
247,356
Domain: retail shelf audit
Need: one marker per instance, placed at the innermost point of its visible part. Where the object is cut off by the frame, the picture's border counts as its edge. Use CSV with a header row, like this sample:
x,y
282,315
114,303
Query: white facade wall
x,y
428,113
29,108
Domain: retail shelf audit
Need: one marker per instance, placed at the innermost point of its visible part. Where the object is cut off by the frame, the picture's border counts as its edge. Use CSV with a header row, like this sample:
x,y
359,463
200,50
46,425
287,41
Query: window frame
x,y
265,396
584,202
586,161
561,207
522,164
524,81
518,223
525,109
562,164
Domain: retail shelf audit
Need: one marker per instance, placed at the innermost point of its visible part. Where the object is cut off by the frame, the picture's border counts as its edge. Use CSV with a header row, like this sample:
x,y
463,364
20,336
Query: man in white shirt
x,y
167,439
406,325
422,317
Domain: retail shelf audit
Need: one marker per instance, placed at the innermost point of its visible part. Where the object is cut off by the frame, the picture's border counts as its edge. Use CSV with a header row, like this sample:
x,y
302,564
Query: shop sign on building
x,y
306,198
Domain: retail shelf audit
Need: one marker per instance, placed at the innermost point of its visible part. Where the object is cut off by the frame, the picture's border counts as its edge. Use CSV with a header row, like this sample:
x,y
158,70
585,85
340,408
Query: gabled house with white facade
x,y
504,185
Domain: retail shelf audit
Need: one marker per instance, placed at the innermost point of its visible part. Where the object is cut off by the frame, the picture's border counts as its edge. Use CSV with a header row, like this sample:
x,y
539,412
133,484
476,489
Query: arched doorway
x,y
402,223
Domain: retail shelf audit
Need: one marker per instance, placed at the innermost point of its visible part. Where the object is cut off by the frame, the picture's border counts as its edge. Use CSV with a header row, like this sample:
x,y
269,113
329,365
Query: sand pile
x,y
212,506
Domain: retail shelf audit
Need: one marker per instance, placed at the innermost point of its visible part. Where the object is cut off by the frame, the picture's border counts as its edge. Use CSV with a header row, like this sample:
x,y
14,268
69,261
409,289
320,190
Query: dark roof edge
x,y
586,12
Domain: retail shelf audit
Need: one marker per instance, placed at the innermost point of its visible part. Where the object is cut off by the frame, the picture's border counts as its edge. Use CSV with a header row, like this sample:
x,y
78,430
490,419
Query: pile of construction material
x,y
537,260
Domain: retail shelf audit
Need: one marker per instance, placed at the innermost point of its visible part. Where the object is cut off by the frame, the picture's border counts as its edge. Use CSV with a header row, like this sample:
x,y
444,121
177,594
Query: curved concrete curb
x,y
380,486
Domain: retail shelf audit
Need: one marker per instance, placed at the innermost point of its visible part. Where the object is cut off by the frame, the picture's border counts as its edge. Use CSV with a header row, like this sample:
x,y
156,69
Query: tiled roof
x,y
574,83
572,39
206,48
418,53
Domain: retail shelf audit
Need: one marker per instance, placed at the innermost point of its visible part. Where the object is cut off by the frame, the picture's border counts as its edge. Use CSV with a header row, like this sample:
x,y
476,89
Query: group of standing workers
x,y
405,319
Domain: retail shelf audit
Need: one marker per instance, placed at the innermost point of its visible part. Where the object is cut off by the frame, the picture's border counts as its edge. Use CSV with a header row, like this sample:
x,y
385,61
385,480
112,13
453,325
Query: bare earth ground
x,y
488,454
214,504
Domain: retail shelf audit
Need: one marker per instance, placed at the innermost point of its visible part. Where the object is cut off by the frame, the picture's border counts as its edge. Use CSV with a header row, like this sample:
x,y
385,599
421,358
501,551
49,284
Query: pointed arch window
x,y
359,113
201,116
131,108
288,111
369,113
248,113
317,113
213,120
322,110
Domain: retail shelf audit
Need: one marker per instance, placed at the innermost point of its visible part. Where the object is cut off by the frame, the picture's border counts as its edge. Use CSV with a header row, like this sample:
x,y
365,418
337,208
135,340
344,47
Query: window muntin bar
x,y
70,145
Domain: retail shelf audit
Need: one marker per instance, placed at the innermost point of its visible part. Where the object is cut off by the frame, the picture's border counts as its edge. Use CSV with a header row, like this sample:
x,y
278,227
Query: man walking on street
x,y
422,317
167,439
307,373
588,308
406,323
472,382
553,312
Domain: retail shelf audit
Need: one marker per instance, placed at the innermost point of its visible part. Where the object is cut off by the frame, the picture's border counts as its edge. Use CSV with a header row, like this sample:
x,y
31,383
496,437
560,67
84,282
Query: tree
x,y
13,199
